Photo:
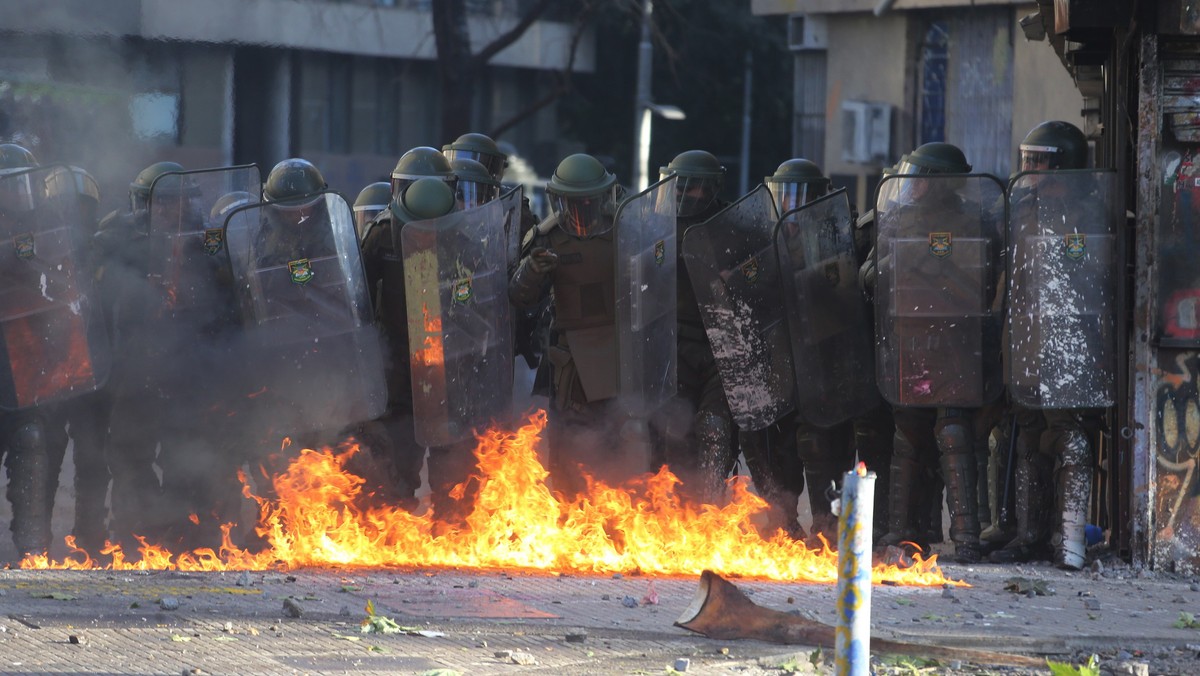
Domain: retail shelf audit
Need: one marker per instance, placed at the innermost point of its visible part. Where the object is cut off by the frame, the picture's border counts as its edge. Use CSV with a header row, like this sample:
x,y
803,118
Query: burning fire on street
x,y
322,517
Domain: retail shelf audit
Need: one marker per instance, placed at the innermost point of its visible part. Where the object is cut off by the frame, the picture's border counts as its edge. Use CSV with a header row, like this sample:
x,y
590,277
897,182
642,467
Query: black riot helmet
x,y
482,149
370,201
425,198
292,179
420,162
291,185
699,177
75,183
13,156
225,204
139,190
584,196
934,158
795,183
1054,145
16,192
476,186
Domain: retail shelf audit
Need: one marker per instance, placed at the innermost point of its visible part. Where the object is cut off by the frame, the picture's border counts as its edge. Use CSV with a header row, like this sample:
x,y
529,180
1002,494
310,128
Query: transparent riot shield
x,y
1062,288
306,313
459,323
735,275
187,239
645,297
512,201
939,241
833,340
53,344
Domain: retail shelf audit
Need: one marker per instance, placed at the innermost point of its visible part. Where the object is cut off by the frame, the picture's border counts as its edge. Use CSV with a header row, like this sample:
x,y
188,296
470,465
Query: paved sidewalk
x,y
492,622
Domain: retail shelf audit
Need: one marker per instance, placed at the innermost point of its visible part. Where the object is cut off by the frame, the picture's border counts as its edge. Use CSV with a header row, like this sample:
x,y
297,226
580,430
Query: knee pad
x,y
29,437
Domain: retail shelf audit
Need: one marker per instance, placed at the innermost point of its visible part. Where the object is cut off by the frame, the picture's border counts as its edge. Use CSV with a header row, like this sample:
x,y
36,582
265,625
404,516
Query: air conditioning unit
x,y
807,31
866,132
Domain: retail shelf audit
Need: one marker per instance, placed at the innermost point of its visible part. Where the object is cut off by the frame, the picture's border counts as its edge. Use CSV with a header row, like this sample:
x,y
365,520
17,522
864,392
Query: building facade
x,y
350,85
869,88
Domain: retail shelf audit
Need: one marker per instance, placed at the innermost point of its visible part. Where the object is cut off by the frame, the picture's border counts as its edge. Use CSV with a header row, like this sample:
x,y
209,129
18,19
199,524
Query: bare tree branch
x,y
502,41
563,81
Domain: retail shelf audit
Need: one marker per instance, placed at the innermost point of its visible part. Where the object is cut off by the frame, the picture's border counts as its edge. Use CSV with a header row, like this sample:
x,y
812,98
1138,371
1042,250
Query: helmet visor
x,y
400,182
788,196
584,216
364,215
1034,158
16,193
693,195
906,167
495,164
471,194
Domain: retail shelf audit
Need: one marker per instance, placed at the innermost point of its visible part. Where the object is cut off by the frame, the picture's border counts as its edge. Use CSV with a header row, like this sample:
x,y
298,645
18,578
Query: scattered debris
x,y
651,597
576,636
292,608
502,654
347,588
682,664
629,602
1024,585
1186,621
227,627
243,579
381,624
1091,604
523,659
617,576
1132,668
605,597
57,596
77,639
168,603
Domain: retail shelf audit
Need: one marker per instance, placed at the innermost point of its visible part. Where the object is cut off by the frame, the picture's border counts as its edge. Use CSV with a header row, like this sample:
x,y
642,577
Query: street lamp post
x,y
643,107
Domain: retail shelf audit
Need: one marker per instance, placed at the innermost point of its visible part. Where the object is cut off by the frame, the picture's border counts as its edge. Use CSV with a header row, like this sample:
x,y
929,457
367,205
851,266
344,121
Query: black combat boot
x,y
961,476
1032,500
28,482
1074,487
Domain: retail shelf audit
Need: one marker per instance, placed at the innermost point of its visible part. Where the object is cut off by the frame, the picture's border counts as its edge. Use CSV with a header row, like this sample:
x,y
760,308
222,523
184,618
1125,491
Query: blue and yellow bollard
x,y
853,656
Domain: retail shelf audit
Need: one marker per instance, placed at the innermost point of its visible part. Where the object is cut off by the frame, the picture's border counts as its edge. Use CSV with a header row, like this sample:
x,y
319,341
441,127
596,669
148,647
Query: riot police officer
x,y
391,437
825,451
87,414
370,201
475,186
573,254
699,436
480,148
1061,349
123,276
417,163
23,434
938,336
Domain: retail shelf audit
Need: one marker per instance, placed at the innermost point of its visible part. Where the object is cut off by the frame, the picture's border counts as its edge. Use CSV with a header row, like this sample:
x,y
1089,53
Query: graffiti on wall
x,y
1177,440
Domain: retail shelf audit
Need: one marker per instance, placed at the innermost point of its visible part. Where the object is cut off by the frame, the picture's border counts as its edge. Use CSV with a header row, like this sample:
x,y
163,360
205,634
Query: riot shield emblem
x,y
735,274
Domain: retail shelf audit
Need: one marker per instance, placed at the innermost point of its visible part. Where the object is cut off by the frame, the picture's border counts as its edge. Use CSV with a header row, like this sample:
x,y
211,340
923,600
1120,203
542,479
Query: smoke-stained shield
x,y
512,202
307,314
833,340
939,243
459,323
1063,286
53,344
735,274
645,297
189,261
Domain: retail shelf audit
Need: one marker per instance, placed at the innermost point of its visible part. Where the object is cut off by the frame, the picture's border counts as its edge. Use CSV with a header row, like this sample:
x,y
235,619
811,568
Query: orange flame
x,y
323,518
